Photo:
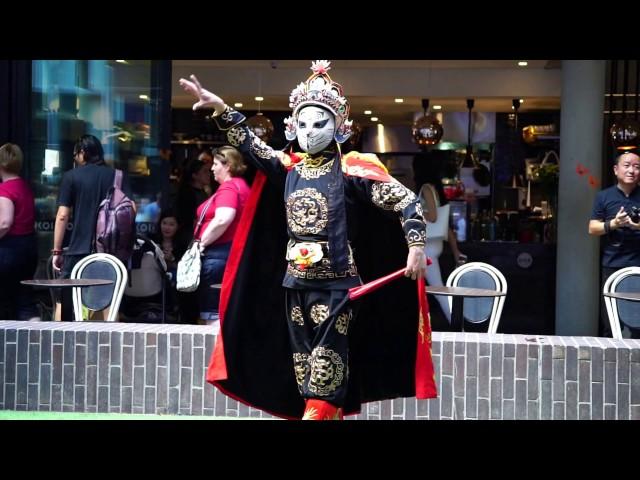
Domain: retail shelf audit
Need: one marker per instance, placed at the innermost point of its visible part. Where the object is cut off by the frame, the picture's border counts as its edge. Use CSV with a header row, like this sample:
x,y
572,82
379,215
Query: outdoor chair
x,y
485,276
622,312
99,266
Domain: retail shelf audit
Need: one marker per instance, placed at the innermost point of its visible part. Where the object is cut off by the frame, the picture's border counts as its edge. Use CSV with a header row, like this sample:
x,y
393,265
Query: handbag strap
x,y
436,197
204,211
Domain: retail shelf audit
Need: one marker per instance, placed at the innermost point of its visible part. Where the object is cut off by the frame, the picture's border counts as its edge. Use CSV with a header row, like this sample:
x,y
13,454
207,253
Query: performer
x,y
338,363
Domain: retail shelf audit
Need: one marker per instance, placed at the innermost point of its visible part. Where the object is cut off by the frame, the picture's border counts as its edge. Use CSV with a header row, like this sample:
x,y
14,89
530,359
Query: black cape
x,y
252,361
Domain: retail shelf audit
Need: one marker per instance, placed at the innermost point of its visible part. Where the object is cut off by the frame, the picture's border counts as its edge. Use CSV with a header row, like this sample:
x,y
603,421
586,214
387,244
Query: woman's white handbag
x,y
439,230
189,266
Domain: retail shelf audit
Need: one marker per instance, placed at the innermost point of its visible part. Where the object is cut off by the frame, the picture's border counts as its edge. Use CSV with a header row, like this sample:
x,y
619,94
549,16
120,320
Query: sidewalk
x,y
22,415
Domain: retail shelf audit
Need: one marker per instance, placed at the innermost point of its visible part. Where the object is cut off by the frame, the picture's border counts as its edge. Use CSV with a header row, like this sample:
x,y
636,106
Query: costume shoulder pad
x,y
365,165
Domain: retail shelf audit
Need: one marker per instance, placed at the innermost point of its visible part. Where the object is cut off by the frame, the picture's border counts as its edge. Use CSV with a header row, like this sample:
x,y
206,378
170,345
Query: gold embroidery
x,y
327,371
259,148
307,211
342,322
311,162
296,315
416,237
309,167
322,270
391,196
236,136
300,368
227,115
319,313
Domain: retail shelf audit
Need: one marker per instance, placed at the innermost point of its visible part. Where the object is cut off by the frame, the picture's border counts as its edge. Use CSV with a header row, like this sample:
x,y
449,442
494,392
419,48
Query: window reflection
x,y
116,102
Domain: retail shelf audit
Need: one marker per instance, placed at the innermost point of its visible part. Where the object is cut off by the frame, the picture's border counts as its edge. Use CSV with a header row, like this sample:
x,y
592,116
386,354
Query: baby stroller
x,y
145,296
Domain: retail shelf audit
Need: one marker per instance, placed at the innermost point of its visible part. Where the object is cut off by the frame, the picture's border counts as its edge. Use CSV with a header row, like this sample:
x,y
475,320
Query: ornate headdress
x,y
321,91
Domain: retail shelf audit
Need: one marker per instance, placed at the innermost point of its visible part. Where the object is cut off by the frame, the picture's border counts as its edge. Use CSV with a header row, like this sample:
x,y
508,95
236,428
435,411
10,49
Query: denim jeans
x,y
18,261
214,260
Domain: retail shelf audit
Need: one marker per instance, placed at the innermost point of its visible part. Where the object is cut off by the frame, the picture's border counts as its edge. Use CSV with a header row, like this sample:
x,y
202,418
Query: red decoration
x,y
581,169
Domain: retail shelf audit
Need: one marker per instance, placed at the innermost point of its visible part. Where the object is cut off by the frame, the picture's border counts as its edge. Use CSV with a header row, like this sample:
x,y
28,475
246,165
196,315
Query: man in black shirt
x,y
611,217
81,191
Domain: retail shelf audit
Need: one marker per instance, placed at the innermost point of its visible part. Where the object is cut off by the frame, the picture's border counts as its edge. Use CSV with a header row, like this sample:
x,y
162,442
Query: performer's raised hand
x,y
205,97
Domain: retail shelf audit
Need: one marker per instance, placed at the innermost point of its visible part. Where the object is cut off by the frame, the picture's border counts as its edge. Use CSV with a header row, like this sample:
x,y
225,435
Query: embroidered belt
x,y
308,260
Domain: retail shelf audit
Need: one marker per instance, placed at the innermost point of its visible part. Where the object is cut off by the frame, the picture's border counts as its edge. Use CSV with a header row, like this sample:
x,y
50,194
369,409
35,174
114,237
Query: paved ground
x,y
14,415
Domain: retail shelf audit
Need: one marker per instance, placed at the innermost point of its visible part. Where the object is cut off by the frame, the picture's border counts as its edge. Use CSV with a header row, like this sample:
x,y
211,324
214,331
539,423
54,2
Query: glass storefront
x,y
121,102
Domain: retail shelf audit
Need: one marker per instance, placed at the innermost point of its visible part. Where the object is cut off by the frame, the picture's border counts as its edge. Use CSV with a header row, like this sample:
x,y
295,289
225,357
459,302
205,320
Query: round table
x,y
67,283
458,294
633,296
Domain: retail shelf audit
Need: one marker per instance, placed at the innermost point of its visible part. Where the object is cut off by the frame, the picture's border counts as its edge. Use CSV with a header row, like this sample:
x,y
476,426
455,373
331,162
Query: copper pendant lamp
x,y
261,127
426,130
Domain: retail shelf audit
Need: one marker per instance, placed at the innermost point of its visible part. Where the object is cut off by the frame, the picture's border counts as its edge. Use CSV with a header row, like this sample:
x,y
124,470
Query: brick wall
x,y
160,369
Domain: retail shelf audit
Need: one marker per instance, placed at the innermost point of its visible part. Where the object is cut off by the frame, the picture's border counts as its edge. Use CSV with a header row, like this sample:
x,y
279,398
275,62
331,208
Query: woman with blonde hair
x,y
220,217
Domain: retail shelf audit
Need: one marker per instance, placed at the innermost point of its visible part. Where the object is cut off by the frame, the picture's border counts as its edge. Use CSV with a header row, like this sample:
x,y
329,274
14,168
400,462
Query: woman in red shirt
x,y
219,224
18,248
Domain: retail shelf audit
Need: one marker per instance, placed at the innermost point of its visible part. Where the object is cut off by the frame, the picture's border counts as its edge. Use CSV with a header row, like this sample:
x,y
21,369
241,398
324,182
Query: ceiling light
x,y
437,107
259,99
523,64
144,97
374,119
121,61
368,112
399,100
238,105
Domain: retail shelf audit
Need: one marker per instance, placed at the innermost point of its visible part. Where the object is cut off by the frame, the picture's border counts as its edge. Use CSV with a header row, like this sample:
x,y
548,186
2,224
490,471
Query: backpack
x,y
116,223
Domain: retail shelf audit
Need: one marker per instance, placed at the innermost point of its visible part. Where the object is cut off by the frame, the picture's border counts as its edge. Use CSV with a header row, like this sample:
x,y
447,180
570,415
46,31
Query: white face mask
x,y
315,129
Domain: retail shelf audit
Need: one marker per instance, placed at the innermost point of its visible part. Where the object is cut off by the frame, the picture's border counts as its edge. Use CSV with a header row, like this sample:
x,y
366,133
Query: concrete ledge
x,y
160,369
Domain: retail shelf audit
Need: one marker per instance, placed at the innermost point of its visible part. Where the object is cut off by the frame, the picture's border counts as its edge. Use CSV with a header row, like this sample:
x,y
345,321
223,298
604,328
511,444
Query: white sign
x,y
524,260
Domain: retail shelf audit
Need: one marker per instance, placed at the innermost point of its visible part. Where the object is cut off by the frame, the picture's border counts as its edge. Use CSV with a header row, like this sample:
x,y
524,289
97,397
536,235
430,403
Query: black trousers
x,y
319,322
18,261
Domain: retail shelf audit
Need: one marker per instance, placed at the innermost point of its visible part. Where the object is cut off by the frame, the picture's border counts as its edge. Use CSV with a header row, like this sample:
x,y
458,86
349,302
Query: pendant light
x,y
468,158
516,180
426,130
260,125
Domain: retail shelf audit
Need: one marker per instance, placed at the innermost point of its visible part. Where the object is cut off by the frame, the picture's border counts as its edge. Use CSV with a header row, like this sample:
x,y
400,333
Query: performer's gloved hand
x,y
205,97
416,263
